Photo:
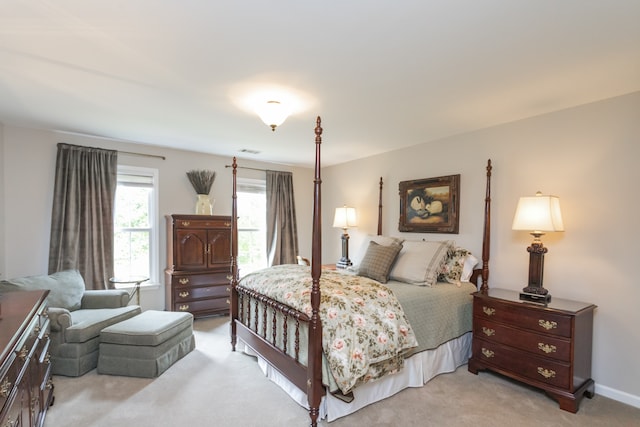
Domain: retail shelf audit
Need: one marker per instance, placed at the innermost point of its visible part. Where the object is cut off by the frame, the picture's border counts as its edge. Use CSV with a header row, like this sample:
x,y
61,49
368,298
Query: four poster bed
x,y
337,341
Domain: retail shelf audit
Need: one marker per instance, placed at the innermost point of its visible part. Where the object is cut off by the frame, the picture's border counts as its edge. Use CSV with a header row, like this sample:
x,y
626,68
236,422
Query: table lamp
x,y
537,214
344,218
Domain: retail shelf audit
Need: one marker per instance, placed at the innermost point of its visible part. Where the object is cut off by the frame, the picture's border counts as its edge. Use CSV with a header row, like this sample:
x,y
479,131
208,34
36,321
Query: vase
x,y
204,206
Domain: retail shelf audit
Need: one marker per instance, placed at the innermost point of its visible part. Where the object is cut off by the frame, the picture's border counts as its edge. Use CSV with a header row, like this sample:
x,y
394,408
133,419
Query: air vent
x,y
246,150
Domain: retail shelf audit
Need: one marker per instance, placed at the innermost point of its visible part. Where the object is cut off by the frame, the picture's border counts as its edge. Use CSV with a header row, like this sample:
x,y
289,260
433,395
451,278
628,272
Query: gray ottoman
x,y
145,345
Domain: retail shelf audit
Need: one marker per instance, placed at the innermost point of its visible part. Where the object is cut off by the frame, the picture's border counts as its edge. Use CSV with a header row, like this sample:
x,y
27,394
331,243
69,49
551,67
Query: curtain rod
x,y
255,169
142,154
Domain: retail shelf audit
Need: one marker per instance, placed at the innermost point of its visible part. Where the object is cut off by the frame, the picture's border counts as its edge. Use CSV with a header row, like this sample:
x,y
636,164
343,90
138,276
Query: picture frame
x,y
430,205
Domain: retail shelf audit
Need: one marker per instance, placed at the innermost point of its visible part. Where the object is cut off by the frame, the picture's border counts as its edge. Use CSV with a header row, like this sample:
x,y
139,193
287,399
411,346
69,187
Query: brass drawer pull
x,y
227,224
488,353
184,280
5,387
488,310
547,373
183,294
184,307
488,331
228,289
229,278
228,302
185,223
547,324
547,348
47,358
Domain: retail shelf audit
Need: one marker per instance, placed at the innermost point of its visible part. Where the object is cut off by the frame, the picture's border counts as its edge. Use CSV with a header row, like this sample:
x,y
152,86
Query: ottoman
x,y
145,345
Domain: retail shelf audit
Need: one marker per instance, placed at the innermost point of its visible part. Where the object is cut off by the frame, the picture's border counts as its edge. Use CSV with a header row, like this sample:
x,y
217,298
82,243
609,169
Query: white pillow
x,y
467,270
419,262
362,251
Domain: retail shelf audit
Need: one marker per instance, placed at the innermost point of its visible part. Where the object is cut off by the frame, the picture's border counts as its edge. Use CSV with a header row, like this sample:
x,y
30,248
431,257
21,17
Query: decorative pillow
x,y
362,251
378,260
419,262
458,266
66,288
469,264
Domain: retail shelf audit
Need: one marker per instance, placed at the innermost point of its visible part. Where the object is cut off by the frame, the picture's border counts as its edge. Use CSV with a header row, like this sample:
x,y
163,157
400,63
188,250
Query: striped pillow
x,y
419,262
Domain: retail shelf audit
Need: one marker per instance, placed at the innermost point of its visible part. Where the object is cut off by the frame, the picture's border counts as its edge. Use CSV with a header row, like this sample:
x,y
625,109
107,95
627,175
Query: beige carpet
x,y
214,387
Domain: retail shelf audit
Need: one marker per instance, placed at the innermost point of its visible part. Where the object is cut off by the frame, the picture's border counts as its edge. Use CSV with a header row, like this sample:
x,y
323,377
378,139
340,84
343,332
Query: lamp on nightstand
x,y
344,218
537,214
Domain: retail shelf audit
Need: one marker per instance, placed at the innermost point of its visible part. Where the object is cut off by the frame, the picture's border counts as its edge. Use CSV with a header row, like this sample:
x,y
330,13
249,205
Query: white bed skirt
x,y
417,371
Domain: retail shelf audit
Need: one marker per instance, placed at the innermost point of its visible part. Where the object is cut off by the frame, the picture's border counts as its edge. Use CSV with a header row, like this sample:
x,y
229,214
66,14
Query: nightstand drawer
x,y
538,344
537,320
538,369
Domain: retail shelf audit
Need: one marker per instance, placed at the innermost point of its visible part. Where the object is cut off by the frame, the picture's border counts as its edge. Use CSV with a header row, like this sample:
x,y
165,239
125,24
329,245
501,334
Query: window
x,y
252,220
135,225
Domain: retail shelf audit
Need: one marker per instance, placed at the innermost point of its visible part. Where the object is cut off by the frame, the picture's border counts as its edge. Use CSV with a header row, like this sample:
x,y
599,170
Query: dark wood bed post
x,y
314,372
484,288
380,209
234,257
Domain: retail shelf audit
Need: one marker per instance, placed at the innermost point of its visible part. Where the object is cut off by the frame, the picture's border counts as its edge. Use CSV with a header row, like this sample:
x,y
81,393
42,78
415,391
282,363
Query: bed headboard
x,y
480,273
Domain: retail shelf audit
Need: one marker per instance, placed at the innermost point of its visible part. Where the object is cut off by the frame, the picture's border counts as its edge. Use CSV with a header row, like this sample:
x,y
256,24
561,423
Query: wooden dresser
x,y
197,277
26,389
545,346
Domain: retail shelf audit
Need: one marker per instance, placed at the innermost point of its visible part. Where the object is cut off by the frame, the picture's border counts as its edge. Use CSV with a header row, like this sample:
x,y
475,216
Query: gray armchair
x,y
76,318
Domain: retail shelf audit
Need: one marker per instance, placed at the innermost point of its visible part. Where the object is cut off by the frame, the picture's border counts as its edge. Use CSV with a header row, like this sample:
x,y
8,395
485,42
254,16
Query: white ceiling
x,y
382,74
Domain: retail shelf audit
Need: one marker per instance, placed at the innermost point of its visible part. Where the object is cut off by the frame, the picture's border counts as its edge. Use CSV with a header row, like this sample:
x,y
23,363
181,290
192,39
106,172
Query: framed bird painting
x,y
430,205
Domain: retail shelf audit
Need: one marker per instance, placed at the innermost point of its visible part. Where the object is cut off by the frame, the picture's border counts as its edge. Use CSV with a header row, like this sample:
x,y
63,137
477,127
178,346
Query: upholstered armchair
x,y
76,318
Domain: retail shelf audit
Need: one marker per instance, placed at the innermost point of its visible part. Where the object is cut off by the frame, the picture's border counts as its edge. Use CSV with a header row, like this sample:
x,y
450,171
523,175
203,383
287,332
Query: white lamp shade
x,y
538,214
273,113
345,218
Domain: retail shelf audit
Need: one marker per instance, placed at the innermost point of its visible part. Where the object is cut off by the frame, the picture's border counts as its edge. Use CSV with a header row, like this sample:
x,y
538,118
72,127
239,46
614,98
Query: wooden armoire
x,y
198,273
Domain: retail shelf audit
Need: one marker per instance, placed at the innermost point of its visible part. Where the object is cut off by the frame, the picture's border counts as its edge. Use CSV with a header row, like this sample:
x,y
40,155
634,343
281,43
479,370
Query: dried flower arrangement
x,y
201,180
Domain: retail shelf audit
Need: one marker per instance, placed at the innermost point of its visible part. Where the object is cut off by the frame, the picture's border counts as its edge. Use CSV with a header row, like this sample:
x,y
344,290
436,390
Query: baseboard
x,y
618,395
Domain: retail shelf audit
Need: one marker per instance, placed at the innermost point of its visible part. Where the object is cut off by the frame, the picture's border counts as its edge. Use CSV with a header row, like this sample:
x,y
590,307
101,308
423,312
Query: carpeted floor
x,y
214,387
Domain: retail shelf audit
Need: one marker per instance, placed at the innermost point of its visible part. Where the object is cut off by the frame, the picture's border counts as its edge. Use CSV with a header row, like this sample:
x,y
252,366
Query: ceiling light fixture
x,y
273,113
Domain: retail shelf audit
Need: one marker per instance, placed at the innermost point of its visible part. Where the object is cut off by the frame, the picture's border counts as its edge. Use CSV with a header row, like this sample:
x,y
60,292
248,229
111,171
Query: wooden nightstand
x,y
545,346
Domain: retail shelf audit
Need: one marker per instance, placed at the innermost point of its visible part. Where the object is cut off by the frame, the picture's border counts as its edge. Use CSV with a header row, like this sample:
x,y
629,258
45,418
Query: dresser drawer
x,y
201,292
200,279
543,370
7,382
209,305
538,344
534,319
224,222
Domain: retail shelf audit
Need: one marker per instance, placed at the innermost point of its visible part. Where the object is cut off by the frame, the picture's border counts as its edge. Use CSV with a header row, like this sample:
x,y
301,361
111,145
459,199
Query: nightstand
x,y
547,346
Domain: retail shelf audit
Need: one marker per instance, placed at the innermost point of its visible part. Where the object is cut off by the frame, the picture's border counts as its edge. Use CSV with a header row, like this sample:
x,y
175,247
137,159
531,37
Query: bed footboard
x,y
274,331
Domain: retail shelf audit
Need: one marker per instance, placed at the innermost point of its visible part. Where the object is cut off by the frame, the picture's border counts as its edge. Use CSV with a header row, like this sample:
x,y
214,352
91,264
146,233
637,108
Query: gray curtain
x,y
282,232
82,214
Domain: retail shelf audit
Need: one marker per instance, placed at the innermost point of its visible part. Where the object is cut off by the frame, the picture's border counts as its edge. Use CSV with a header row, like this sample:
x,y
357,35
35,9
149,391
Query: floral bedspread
x,y
365,330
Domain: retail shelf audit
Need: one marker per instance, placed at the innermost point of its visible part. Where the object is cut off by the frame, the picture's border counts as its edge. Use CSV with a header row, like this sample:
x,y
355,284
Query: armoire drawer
x,y
200,292
206,305
202,279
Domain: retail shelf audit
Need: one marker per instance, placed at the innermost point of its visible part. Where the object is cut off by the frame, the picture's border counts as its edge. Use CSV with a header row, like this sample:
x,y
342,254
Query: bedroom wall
x,y
2,205
28,165
588,157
